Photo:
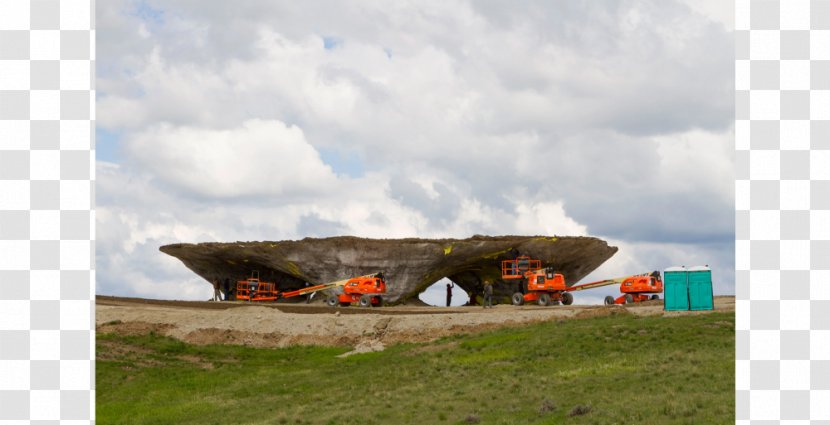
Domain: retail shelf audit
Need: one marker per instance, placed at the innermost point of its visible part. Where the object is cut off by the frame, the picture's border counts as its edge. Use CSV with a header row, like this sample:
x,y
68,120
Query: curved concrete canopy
x,y
410,265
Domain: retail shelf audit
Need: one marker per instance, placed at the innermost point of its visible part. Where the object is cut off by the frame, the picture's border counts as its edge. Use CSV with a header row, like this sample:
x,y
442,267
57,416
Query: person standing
x,y
488,294
449,292
217,295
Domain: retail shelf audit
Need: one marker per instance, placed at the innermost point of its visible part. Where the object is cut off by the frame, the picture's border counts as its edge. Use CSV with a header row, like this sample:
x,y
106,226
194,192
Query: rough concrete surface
x,y
410,265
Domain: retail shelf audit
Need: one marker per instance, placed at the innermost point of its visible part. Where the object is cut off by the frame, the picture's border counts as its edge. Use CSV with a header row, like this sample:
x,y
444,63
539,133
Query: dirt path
x,y
280,325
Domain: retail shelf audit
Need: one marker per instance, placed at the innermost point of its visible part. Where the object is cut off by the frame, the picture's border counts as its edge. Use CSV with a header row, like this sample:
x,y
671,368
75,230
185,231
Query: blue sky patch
x,y
106,145
330,42
343,163
148,14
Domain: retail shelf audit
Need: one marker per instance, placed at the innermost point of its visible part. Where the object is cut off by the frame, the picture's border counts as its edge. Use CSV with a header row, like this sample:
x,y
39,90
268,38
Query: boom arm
x,y
323,286
601,283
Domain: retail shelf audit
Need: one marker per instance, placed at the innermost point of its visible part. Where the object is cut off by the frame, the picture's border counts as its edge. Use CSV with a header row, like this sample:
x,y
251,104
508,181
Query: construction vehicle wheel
x,y
567,298
365,301
518,298
332,301
629,298
544,299
380,301
609,300
655,297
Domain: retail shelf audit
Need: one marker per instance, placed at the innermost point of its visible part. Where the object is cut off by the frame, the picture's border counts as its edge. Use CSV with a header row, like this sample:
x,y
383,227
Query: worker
x,y
488,294
449,292
217,296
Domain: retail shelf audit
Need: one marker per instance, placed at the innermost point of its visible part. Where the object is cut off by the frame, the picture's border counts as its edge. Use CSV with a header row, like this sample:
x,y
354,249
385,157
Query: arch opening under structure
x,y
436,294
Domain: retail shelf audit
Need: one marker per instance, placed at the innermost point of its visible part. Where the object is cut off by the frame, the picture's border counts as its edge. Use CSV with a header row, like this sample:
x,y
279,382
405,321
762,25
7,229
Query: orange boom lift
x,y
546,287
366,291
543,286
637,288
253,289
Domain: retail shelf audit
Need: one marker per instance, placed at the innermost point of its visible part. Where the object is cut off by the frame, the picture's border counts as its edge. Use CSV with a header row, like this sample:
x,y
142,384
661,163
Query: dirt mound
x,y
134,328
210,336
368,329
313,308
602,312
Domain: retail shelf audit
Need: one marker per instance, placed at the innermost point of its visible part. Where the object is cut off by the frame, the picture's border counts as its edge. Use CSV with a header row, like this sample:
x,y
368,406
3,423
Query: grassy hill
x,y
617,369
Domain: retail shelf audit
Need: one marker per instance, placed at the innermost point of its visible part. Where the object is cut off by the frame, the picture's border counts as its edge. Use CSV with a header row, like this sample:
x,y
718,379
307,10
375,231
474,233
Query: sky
x,y
263,120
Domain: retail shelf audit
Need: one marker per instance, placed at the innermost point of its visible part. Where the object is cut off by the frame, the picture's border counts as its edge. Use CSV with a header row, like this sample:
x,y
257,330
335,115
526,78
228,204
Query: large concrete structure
x,y
410,265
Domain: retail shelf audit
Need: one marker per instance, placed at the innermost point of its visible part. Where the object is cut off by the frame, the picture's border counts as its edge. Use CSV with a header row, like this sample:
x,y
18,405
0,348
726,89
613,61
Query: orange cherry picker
x,y
545,287
541,285
366,291
637,288
370,286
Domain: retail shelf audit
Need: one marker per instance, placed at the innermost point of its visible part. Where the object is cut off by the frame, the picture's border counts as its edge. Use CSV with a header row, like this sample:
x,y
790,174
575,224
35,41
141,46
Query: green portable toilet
x,y
700,288
675,289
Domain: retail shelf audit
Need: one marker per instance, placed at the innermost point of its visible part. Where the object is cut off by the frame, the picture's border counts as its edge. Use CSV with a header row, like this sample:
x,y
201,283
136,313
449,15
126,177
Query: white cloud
x,y
260,158
698,159
546,218
720,11
432,120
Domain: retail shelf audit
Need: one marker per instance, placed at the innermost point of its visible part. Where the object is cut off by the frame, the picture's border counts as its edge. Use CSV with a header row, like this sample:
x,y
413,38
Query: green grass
x,y
628,370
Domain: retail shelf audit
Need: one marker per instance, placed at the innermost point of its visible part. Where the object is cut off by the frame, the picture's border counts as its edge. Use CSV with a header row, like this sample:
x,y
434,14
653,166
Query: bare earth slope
x,y
280,325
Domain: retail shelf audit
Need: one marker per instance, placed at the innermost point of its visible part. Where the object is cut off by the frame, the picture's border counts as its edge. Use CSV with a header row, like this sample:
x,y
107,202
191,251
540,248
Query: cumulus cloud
x,y
260,158
264,120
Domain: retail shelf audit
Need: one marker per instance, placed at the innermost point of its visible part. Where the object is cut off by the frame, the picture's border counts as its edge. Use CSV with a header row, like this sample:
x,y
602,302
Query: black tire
x,y
655,297
380,301
365,301
544,299
518,298
332,301
609,300
567,298
629,298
